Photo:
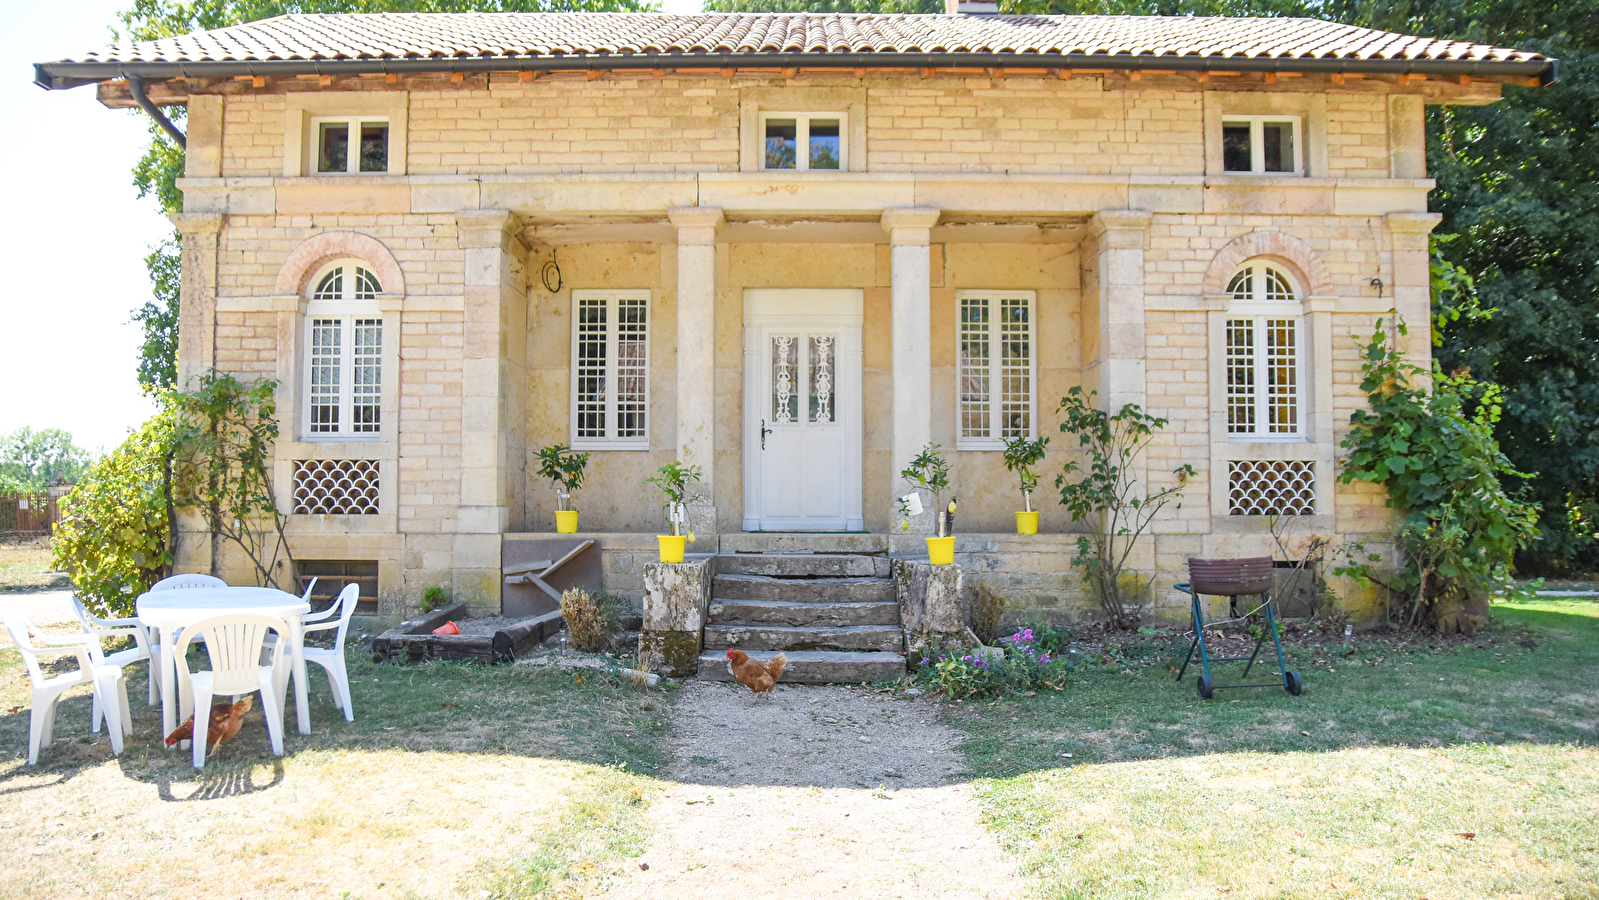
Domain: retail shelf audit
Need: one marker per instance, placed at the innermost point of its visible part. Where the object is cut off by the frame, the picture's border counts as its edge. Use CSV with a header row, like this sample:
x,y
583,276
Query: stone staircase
x,y
833,614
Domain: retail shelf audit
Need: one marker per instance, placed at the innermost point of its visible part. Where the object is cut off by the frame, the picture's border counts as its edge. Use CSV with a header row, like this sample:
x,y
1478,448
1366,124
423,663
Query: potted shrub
x,y
930,472
564,468
674,481
1021,455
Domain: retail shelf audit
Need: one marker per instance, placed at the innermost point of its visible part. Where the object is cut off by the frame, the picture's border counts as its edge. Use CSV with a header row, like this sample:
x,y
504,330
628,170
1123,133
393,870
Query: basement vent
x,y
1271,487
336,487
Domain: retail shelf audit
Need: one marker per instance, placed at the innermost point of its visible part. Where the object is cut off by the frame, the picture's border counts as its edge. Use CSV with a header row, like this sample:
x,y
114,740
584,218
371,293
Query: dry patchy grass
x,y
449,781
25,566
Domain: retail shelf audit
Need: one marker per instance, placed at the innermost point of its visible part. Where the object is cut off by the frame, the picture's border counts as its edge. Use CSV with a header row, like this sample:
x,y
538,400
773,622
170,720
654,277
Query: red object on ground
x,y
447,628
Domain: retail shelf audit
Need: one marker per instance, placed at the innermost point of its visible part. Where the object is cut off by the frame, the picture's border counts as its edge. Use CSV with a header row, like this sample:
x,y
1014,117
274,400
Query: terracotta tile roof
x,y
798,39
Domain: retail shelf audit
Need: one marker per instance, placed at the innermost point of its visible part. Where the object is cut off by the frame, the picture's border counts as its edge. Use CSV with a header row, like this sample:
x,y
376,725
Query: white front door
x,y
802,410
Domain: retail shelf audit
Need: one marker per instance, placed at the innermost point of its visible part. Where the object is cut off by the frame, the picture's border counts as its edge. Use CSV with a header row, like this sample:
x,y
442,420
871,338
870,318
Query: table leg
x,y
301,706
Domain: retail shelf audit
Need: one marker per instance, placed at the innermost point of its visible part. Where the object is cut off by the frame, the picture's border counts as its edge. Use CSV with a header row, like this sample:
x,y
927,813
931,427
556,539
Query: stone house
x,y
793,249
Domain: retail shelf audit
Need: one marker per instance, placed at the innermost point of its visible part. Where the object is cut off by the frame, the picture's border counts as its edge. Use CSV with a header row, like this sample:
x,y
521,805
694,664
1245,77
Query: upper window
x,y
995,372
610,370
344,362
803,141
1264,358
1260,145
350,146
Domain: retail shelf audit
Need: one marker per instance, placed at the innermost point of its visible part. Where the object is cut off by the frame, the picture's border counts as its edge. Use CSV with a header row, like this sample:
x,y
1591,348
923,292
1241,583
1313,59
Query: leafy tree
x,y
30,460
158,356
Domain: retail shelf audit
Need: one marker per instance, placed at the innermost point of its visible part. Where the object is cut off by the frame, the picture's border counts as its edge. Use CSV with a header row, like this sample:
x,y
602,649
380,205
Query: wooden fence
x,y
28,514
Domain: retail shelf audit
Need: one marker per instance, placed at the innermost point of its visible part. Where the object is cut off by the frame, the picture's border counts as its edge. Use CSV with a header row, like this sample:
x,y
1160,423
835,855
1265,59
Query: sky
x,y
74,233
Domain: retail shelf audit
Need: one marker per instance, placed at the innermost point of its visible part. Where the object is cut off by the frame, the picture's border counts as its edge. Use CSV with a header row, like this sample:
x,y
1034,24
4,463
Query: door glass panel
x,y
821,360
785,372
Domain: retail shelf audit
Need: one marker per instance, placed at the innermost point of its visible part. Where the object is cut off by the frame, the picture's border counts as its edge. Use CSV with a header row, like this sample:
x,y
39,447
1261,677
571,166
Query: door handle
x,y
764,432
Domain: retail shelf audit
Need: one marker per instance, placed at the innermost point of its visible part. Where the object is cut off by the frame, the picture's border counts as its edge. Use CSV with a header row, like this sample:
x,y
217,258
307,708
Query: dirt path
x,y
822,791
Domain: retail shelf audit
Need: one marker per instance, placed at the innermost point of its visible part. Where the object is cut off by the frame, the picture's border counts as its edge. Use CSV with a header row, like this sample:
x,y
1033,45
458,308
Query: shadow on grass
x,y
429,707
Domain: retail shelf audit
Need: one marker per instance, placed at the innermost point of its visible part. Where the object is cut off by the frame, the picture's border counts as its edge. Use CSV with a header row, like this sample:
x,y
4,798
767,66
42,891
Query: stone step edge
x,y
814,666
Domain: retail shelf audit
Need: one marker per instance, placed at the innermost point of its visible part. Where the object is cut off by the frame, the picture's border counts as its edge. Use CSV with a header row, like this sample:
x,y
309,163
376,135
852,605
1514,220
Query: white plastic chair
x,y
233,642
333,659
130,627
190,580
110,688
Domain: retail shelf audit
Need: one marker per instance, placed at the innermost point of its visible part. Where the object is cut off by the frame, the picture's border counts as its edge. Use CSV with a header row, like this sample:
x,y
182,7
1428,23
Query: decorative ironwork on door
x,y
821,362
785,371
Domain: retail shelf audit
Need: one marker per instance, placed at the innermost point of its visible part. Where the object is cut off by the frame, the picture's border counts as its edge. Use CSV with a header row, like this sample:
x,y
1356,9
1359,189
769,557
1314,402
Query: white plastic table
x,y
171,610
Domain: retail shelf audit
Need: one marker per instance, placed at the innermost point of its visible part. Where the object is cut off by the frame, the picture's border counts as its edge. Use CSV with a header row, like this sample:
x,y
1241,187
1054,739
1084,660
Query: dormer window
x,y
350,145
803,142
1261,145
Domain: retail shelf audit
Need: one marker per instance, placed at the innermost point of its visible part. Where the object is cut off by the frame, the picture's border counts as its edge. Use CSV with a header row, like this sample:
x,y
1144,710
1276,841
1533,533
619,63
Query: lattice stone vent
x,y
336,487
1271,487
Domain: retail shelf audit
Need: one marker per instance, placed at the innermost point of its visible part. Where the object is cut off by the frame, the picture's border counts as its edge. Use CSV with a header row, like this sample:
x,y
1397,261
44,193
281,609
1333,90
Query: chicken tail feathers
x,y
776,665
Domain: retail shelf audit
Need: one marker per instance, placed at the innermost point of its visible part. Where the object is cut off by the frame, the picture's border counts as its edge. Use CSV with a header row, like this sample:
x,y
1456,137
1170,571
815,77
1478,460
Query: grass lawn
x,y
25,566
453,780
1459,771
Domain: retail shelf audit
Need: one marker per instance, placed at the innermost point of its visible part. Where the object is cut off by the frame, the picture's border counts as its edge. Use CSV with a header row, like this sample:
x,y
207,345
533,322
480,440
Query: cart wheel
x,y
1293,684
1205,690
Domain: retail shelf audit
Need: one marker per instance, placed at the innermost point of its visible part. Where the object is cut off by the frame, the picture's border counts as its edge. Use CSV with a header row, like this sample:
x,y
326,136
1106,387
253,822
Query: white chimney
x,y
971,7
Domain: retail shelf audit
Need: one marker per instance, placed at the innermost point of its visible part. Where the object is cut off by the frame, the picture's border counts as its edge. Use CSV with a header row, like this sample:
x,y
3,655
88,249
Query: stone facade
x,y
1103,194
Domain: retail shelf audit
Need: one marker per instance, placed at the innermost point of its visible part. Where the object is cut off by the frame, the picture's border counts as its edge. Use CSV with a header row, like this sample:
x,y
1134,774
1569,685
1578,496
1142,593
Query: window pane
x,y
333,147
590,376
1282,376
1235,147
1016,387
824,144
785,370
332,286
374,147
1240,376
780,137
1277,286
366,285
1242,287
326,356
973,372
632,370
821,360
1277,139
366,381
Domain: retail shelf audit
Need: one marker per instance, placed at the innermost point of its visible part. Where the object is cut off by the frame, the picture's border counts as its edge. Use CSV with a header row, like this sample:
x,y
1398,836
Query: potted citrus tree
x,y
564,468
674,482
1021,455
930,472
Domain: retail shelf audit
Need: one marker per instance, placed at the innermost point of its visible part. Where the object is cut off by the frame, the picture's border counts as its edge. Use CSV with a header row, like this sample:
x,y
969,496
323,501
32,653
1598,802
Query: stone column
x,y
197,294
696,349
493,252
1120,235
1412,288
911,335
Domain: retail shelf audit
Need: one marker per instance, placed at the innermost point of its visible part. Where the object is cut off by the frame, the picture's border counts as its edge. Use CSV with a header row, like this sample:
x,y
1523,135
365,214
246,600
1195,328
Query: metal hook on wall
x,y
1377,283
551,274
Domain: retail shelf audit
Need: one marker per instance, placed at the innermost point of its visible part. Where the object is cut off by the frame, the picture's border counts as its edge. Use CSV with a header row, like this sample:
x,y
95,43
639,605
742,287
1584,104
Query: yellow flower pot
x,y
566,521
941,551
1027,522
672,547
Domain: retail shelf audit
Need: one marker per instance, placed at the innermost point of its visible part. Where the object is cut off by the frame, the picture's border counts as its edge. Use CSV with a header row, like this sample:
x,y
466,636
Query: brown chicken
x,y
758,676
225,721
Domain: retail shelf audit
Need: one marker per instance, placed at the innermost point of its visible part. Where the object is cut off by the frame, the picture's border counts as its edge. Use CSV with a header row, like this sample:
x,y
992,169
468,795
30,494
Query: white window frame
x,y
1257,144
347,310
802,139
991,373
612,299
1261,312
352,162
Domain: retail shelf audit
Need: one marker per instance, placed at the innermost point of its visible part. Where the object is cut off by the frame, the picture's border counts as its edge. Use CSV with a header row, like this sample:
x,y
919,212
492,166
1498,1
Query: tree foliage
x,y
30,460
114,537
1434,451
158,355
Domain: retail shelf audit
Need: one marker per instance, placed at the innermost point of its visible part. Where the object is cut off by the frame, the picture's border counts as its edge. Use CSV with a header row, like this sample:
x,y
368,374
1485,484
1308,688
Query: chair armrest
x,y
64,640
320,616
323,626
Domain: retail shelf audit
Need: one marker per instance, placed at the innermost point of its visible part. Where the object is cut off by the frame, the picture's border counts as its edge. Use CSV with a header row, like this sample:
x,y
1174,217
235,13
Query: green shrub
x,y
1017,664
434,597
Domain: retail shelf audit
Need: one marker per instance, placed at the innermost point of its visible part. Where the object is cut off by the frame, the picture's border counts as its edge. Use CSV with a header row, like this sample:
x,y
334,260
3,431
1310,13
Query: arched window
x,y
1264,354
344,362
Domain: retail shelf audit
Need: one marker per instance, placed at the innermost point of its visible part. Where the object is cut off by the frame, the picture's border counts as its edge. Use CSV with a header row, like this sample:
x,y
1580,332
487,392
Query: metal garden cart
x,y
1234,578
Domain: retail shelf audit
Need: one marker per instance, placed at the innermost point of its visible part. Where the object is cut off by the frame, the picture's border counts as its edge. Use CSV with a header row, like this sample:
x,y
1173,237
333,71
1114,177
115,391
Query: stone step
x,y
787,612
803,542
886,638
814,666
803,565
803,590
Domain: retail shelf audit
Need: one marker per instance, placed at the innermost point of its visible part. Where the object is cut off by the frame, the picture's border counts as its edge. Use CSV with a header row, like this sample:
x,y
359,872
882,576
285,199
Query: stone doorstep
x,y
803,565
798,590
884,638
814,666
785,612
